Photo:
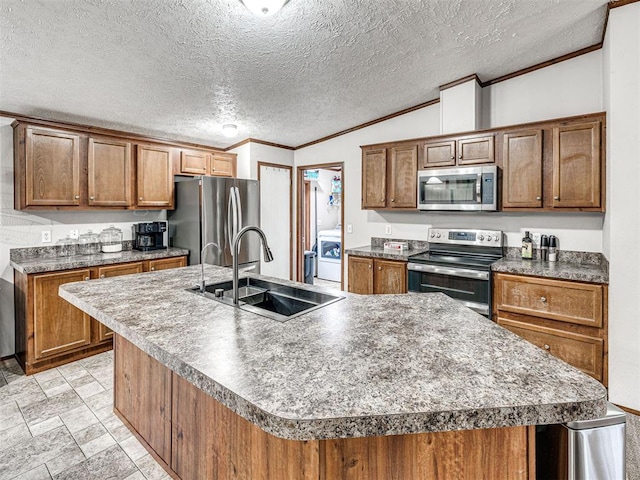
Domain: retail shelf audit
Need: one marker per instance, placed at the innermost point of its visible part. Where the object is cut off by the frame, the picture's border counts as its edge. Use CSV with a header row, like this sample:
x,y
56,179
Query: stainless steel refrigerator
x,y
214,209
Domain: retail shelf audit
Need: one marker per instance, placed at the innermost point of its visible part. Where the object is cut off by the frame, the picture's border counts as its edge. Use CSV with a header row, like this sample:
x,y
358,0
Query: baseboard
x,y
2,359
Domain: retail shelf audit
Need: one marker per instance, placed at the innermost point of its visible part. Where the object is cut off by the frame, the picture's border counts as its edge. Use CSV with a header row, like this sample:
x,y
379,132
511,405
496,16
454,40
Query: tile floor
x,y
60,424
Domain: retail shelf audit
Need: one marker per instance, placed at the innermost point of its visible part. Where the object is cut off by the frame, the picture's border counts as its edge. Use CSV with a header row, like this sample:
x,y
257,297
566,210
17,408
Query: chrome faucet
x,y
202,263
268,256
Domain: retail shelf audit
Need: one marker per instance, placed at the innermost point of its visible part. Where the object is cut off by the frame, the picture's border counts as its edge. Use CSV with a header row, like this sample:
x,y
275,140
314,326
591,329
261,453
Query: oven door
x,y
471,287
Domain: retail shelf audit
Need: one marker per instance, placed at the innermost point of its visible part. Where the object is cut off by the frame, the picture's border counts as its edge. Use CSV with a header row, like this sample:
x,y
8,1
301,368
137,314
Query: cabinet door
x,y
581,351
155,181
222,164
52,168
104,332
194,162
167,263
361,275
374,178
439,154
403,172
389,276
522,161
109,169
58,326
476,150
576,165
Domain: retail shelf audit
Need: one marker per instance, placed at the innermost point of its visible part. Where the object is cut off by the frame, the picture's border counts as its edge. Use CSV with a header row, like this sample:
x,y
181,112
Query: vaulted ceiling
x,y
182,68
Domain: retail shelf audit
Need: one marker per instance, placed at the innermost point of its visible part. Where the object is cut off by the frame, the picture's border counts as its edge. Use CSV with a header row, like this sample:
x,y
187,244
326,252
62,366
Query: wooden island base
x,y
196,437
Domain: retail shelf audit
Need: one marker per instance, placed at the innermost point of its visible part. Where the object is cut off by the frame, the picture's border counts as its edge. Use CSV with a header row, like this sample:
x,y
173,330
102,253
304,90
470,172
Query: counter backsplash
x,y
421,245
565,256
51,251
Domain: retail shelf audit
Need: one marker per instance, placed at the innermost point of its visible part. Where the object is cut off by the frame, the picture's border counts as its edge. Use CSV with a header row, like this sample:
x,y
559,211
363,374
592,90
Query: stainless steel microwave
x,y
462,189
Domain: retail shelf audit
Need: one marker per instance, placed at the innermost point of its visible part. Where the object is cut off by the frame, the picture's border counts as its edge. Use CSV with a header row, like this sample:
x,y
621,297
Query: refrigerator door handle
x,y
230,216
239,215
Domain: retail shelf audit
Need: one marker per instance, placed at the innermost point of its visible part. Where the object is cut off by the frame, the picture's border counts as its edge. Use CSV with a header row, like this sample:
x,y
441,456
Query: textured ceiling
x,y
183,68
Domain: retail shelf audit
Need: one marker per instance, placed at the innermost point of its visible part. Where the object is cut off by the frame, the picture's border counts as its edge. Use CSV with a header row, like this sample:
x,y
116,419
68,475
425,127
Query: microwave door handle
x,y
479,189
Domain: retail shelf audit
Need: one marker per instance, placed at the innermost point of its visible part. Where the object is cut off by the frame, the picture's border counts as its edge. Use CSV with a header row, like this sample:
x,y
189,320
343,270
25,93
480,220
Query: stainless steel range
x,y
458,263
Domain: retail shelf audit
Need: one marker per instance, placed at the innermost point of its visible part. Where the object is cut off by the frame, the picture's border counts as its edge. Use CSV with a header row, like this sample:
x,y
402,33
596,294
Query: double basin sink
x,y
270,299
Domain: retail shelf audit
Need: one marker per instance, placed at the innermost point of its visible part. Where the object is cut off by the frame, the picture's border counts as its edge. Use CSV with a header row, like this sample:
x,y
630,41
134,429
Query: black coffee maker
x,y
149,236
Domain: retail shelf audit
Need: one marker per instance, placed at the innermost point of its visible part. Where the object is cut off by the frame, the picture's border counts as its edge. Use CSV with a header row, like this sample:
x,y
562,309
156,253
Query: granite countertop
x,y
48,263
381,252
592,273
366,365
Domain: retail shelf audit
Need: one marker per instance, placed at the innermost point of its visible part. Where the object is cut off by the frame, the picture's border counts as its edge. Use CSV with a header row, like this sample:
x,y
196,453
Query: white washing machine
x,y
329,254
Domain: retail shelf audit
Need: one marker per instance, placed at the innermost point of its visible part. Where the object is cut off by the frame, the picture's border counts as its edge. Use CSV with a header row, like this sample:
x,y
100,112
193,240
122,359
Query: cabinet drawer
x,y
572,302
581,351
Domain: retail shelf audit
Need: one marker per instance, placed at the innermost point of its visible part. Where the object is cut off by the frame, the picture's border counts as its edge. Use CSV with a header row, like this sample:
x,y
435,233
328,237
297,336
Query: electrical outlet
x,y
46,236
73,233
535,236
349,228
387,229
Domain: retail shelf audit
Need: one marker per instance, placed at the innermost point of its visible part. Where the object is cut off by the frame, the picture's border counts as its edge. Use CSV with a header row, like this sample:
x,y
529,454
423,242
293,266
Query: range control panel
x,y
489,238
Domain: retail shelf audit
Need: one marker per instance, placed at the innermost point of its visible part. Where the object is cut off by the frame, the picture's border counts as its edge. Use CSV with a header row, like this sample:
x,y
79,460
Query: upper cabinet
x,y
522,166
47,168
557,167
576,165
222,164
155,179
467,150
109,173
389,176
193,162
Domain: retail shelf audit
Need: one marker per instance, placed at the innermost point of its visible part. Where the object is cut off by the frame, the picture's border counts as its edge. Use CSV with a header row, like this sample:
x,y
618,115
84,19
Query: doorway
x,y
320,224
276,218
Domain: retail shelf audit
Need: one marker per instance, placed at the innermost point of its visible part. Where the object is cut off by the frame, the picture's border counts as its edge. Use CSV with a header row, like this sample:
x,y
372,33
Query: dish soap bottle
x,y
527,247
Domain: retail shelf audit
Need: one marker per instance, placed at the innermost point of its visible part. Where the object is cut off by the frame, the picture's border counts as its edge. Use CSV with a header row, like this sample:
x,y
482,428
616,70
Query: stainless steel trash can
x,y
583,450
309,266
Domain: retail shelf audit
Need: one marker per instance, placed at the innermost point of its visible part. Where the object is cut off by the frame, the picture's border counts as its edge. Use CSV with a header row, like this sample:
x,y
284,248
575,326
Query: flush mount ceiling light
x,y
264,8
229,130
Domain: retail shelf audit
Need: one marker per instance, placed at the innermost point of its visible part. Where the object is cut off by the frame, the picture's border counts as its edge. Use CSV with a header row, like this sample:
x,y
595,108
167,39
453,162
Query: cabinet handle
x,y
91,197
543,299
369,265
547,347
102,276
153,268
77,197
382,199
379,268
393,199
538,198
556,198
453,157
86,278
141,198
460,157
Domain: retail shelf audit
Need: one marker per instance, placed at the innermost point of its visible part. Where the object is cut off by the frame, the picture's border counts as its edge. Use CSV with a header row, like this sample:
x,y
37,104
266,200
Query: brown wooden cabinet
x,y
556,167
568,319
109,173
49,330
167,263
389,176
467,150
155,179
576,165
522,164
57,326
47,169
377,276
222,164
194,162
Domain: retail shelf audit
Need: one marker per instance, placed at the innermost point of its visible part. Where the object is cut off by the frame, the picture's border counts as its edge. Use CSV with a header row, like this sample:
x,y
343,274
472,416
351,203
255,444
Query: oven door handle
x,y
454,272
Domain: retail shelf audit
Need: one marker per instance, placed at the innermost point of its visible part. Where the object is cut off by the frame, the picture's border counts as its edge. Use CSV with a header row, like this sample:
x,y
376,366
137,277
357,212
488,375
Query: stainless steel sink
x,y
270,299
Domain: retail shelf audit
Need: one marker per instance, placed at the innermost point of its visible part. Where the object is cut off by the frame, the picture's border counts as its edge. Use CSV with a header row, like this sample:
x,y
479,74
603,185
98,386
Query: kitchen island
x,y
388,386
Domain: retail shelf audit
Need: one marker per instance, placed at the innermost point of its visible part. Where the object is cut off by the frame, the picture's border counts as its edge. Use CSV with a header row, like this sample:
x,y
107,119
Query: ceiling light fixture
x,y
264,8
229,130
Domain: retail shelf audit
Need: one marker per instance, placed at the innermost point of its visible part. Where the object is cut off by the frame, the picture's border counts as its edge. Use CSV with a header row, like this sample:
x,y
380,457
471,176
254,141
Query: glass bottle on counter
x,y
527,247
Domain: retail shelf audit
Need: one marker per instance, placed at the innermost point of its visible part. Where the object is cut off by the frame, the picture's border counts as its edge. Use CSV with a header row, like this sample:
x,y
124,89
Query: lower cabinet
x,y
49,330
568,319
377,276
